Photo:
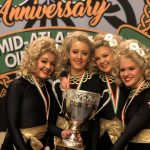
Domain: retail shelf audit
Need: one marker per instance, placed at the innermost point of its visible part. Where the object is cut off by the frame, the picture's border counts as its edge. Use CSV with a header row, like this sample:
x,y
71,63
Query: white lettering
x,y
4,47
18,42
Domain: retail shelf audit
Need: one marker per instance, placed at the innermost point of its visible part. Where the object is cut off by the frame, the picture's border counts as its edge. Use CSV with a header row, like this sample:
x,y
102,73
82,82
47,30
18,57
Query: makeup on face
x,y
45,66
130,73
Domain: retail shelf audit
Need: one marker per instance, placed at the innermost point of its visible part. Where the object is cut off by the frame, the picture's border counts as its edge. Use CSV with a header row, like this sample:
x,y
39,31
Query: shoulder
x,y
19,82
146,94
96,79
146,90
17,87
49,83
144,97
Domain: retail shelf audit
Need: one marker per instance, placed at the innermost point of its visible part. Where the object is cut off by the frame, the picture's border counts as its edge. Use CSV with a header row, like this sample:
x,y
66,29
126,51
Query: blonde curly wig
x,y
32,53
135,51
64,63
109,40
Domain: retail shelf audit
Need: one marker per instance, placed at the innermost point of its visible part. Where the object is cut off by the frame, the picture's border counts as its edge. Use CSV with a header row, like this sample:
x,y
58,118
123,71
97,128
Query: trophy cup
x,y
78,106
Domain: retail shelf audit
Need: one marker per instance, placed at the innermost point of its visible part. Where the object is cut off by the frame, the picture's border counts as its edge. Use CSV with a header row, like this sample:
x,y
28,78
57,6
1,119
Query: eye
x,y
53,64
122,70
44,61
105,55
85,53
97,59
132,68
75,51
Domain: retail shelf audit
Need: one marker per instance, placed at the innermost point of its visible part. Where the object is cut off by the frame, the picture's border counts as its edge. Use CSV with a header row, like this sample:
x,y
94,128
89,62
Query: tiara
x,y
133,46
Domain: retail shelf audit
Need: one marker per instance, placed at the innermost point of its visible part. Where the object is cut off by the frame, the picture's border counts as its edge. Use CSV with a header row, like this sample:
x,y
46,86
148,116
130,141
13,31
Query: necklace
x,y
80,80
46,103
76,80
111,78
130,99
29,78
115,99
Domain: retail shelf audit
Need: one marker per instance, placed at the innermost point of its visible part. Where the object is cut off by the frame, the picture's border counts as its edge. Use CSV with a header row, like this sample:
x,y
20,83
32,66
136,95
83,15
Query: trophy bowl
x,y
78,106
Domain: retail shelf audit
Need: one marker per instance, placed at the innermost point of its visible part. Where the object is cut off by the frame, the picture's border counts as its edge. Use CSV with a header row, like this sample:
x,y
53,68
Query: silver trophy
x,y
78,105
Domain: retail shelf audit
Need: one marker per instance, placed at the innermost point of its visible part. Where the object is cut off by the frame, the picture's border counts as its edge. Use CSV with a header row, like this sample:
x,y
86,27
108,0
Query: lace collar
x,y
75,80
145,86
111,78
29,78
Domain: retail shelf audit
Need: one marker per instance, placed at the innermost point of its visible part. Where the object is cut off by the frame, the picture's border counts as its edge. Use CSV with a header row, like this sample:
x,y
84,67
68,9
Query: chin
x,y
107,70
128,84
44,77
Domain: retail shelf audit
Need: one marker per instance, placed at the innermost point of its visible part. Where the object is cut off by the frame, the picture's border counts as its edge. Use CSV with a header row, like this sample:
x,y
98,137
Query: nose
x,y
101,60
126,72
79,55
48,66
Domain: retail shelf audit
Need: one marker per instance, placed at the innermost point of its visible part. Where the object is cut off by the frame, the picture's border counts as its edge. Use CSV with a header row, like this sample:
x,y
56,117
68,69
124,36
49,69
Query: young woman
x,y
113,97
77,52
133,68
30,103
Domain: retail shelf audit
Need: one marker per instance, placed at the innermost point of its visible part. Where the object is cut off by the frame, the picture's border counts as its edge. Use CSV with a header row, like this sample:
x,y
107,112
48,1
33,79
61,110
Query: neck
x,y
76,73
108,73
139,85
37,78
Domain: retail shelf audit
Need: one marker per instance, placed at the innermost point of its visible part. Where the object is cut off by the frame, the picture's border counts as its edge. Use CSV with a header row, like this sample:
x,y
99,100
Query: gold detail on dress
x,y
76,80
145,86
142,137
111,78
62,123
29,78
34,134
113,127
2,137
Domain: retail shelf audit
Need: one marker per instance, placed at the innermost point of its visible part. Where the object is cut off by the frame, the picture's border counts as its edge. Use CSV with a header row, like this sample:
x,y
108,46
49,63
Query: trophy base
x,y
62,146
72,143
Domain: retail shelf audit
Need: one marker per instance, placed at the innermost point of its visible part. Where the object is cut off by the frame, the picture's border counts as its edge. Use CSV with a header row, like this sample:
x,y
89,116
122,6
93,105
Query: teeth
x,y
78,62
104,65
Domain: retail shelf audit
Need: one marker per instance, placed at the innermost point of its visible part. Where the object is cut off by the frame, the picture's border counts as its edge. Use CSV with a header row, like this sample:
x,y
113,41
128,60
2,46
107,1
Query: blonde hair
x,y
109,40
64,63
32,53
136,52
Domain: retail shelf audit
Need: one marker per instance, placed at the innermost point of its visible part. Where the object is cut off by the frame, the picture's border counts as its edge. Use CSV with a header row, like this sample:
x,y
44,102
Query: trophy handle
x,y
107,101
55,93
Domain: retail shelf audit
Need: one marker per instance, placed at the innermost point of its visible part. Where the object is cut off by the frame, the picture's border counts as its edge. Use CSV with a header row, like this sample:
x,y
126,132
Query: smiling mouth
x,y
127,80
104,67
79,62
46,72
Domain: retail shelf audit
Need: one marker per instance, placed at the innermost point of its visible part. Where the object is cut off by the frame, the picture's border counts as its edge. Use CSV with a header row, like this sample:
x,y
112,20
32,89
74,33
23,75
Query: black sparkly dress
x,y
137,121
108,126
25,110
